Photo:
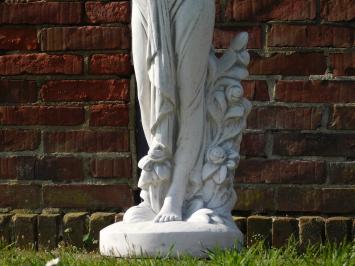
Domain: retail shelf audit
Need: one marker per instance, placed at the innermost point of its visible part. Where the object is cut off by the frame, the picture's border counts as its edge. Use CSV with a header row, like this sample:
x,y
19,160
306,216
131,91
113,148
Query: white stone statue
x,y
193,114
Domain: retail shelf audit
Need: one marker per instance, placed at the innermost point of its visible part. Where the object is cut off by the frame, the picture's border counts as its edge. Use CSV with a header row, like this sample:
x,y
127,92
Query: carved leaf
x,y
221,175
240,42
237,72
218,106
235,112
243,58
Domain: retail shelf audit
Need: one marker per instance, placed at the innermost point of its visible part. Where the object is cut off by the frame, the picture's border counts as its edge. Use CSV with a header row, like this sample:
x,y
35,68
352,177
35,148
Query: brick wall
x,y
67,105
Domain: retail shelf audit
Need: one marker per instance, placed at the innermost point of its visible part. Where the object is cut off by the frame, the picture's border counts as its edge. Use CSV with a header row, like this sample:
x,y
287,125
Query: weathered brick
x,y
253,144
311,231
17,167
41,115
280,171
256,199
259,228
308,144
48,231
338,200
19,140
5,229
119,217
110,12
91,197
341,172
298,199
311,36
241,223
256,10
276,117
97,222
338,229
85,90
74,228
86,141
256,90
25,230
20,196
223,37
342,118
59,168
119,64
18,91
18,64
111,168
109,115
343,64
337,10
300,64
41,13
18,39
283,230
315,91
85,38
353,230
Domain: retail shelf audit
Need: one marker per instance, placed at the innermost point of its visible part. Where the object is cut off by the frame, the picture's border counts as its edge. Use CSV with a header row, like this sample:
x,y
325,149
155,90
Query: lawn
x,y
343,255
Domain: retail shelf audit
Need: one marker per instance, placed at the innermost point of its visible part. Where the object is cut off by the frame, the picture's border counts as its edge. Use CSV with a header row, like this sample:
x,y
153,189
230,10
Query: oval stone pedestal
x,y
149,239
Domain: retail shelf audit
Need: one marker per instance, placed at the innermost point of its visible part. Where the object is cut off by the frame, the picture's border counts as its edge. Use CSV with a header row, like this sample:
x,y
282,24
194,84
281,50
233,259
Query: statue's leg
x,y
194,23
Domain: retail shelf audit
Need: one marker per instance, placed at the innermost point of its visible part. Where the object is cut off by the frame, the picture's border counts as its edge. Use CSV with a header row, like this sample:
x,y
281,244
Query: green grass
x,y
343,255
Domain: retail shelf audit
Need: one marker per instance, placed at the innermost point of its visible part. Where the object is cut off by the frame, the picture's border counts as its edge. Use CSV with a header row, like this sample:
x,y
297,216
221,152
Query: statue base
x,y
172,239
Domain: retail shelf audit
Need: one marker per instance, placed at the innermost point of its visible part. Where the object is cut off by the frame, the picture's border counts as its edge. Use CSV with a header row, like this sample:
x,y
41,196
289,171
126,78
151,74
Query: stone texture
x,y
259,228
48,231
283,230
311,231
338,229
25,230
97,222
74,228
5,229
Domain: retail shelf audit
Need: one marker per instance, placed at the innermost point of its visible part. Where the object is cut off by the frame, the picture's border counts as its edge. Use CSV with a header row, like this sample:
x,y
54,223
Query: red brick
x,y
18,64
91,197
97,222
224,36
315,91
338,200
298,199
111,168
25,230
48,231
119,64
59,168
256,90
20,196
308,144
341,172
337,10
280,171
343,64
109,115
101,12
311,36
312,231
265,10
74,228
259,229
338,229
283,228
17,167
342,118
18,39
19,140
41,13
275,117
85,38
85,90
41,115
18,91
86,141
253,144
301,64
256,199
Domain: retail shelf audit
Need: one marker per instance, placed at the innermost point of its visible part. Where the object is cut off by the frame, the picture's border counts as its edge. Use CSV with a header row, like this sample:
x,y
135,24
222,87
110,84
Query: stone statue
x,y
193,114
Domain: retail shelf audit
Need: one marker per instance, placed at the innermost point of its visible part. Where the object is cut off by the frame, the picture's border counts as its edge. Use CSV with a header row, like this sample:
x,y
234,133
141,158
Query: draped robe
x,y
171,43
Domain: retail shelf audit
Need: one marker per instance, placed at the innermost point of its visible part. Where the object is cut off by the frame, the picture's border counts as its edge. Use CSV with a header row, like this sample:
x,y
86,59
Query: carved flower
x,y
234,93
219,161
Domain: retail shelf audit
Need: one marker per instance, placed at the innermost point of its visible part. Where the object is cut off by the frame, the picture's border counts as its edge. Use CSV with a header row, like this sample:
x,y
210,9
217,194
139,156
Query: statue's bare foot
x,y
168,213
